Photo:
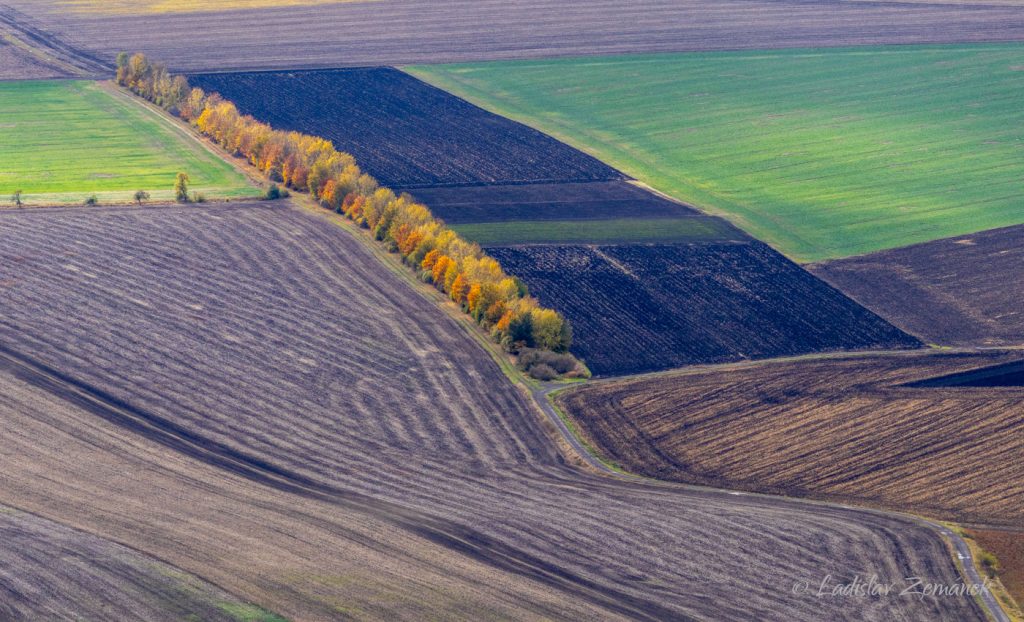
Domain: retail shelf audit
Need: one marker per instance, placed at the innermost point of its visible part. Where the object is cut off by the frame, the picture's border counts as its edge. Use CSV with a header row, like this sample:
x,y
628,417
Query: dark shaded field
x,y
247,393
412,31
964,291
537,202
1006,375
403,131
844,429
637,308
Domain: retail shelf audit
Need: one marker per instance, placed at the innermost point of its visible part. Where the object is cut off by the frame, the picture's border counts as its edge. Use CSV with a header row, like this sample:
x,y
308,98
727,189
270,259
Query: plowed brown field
x,y
247,393
840,429
1008,547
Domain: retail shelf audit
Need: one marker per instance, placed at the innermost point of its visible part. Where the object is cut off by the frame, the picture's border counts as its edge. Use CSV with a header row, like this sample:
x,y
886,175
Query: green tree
x,y
141,196
520,330
181,188
546,328
122,68
16,198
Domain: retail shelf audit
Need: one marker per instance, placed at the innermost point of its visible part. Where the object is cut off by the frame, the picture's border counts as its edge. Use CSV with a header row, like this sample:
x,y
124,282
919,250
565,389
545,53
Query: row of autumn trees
x,y
499,302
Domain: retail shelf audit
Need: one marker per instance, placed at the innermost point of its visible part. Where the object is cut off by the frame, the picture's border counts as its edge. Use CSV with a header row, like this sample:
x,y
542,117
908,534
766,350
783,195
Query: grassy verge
x,y
64,141
819,152
574,429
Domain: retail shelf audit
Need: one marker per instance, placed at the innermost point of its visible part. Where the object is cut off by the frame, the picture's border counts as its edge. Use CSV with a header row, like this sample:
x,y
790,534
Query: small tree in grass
x,y
141,196
16,198
92,201
181,188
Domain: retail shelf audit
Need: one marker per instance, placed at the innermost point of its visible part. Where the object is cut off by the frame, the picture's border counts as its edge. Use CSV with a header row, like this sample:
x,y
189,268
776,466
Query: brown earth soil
x,y
958,291
365,33
841,428
247,393
1008,547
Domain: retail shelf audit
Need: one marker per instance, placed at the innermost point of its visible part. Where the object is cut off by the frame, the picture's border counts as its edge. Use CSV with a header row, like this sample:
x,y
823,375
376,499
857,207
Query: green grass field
x,y
822,153
62,141
699,229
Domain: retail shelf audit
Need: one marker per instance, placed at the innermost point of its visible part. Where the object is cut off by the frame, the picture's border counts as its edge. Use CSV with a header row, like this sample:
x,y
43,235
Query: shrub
x,y
990,564
542,372
275,192
91,201
198,197
141,196
561,363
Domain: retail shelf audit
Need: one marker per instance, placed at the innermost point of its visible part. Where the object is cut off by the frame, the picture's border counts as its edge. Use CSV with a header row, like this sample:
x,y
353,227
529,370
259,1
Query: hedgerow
x,y
498,302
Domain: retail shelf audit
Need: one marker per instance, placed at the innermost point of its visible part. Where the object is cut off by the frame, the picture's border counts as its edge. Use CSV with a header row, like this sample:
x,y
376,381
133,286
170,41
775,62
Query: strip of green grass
x,y
62,141
823,153
698,229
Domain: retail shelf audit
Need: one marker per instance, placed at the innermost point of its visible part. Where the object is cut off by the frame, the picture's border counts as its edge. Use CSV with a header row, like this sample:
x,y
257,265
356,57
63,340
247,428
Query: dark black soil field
x,y
637,308
415,31
403,131
963,291
249,392
572,201
1006,375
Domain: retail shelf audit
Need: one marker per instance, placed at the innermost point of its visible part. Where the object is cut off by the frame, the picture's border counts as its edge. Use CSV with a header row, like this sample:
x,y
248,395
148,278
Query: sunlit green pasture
x,y
823,153
63,141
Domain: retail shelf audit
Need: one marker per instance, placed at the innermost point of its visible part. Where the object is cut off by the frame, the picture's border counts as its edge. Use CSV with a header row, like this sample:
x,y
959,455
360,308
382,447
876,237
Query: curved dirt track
x,y
271,373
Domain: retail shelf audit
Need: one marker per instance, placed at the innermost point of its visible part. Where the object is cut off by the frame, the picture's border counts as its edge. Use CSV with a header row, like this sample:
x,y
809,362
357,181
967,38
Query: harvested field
x,y
844,429
640,308
274,411
961,291
66,140
404,132
819,152
17,64
545,202
37,46
413,31
52,572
